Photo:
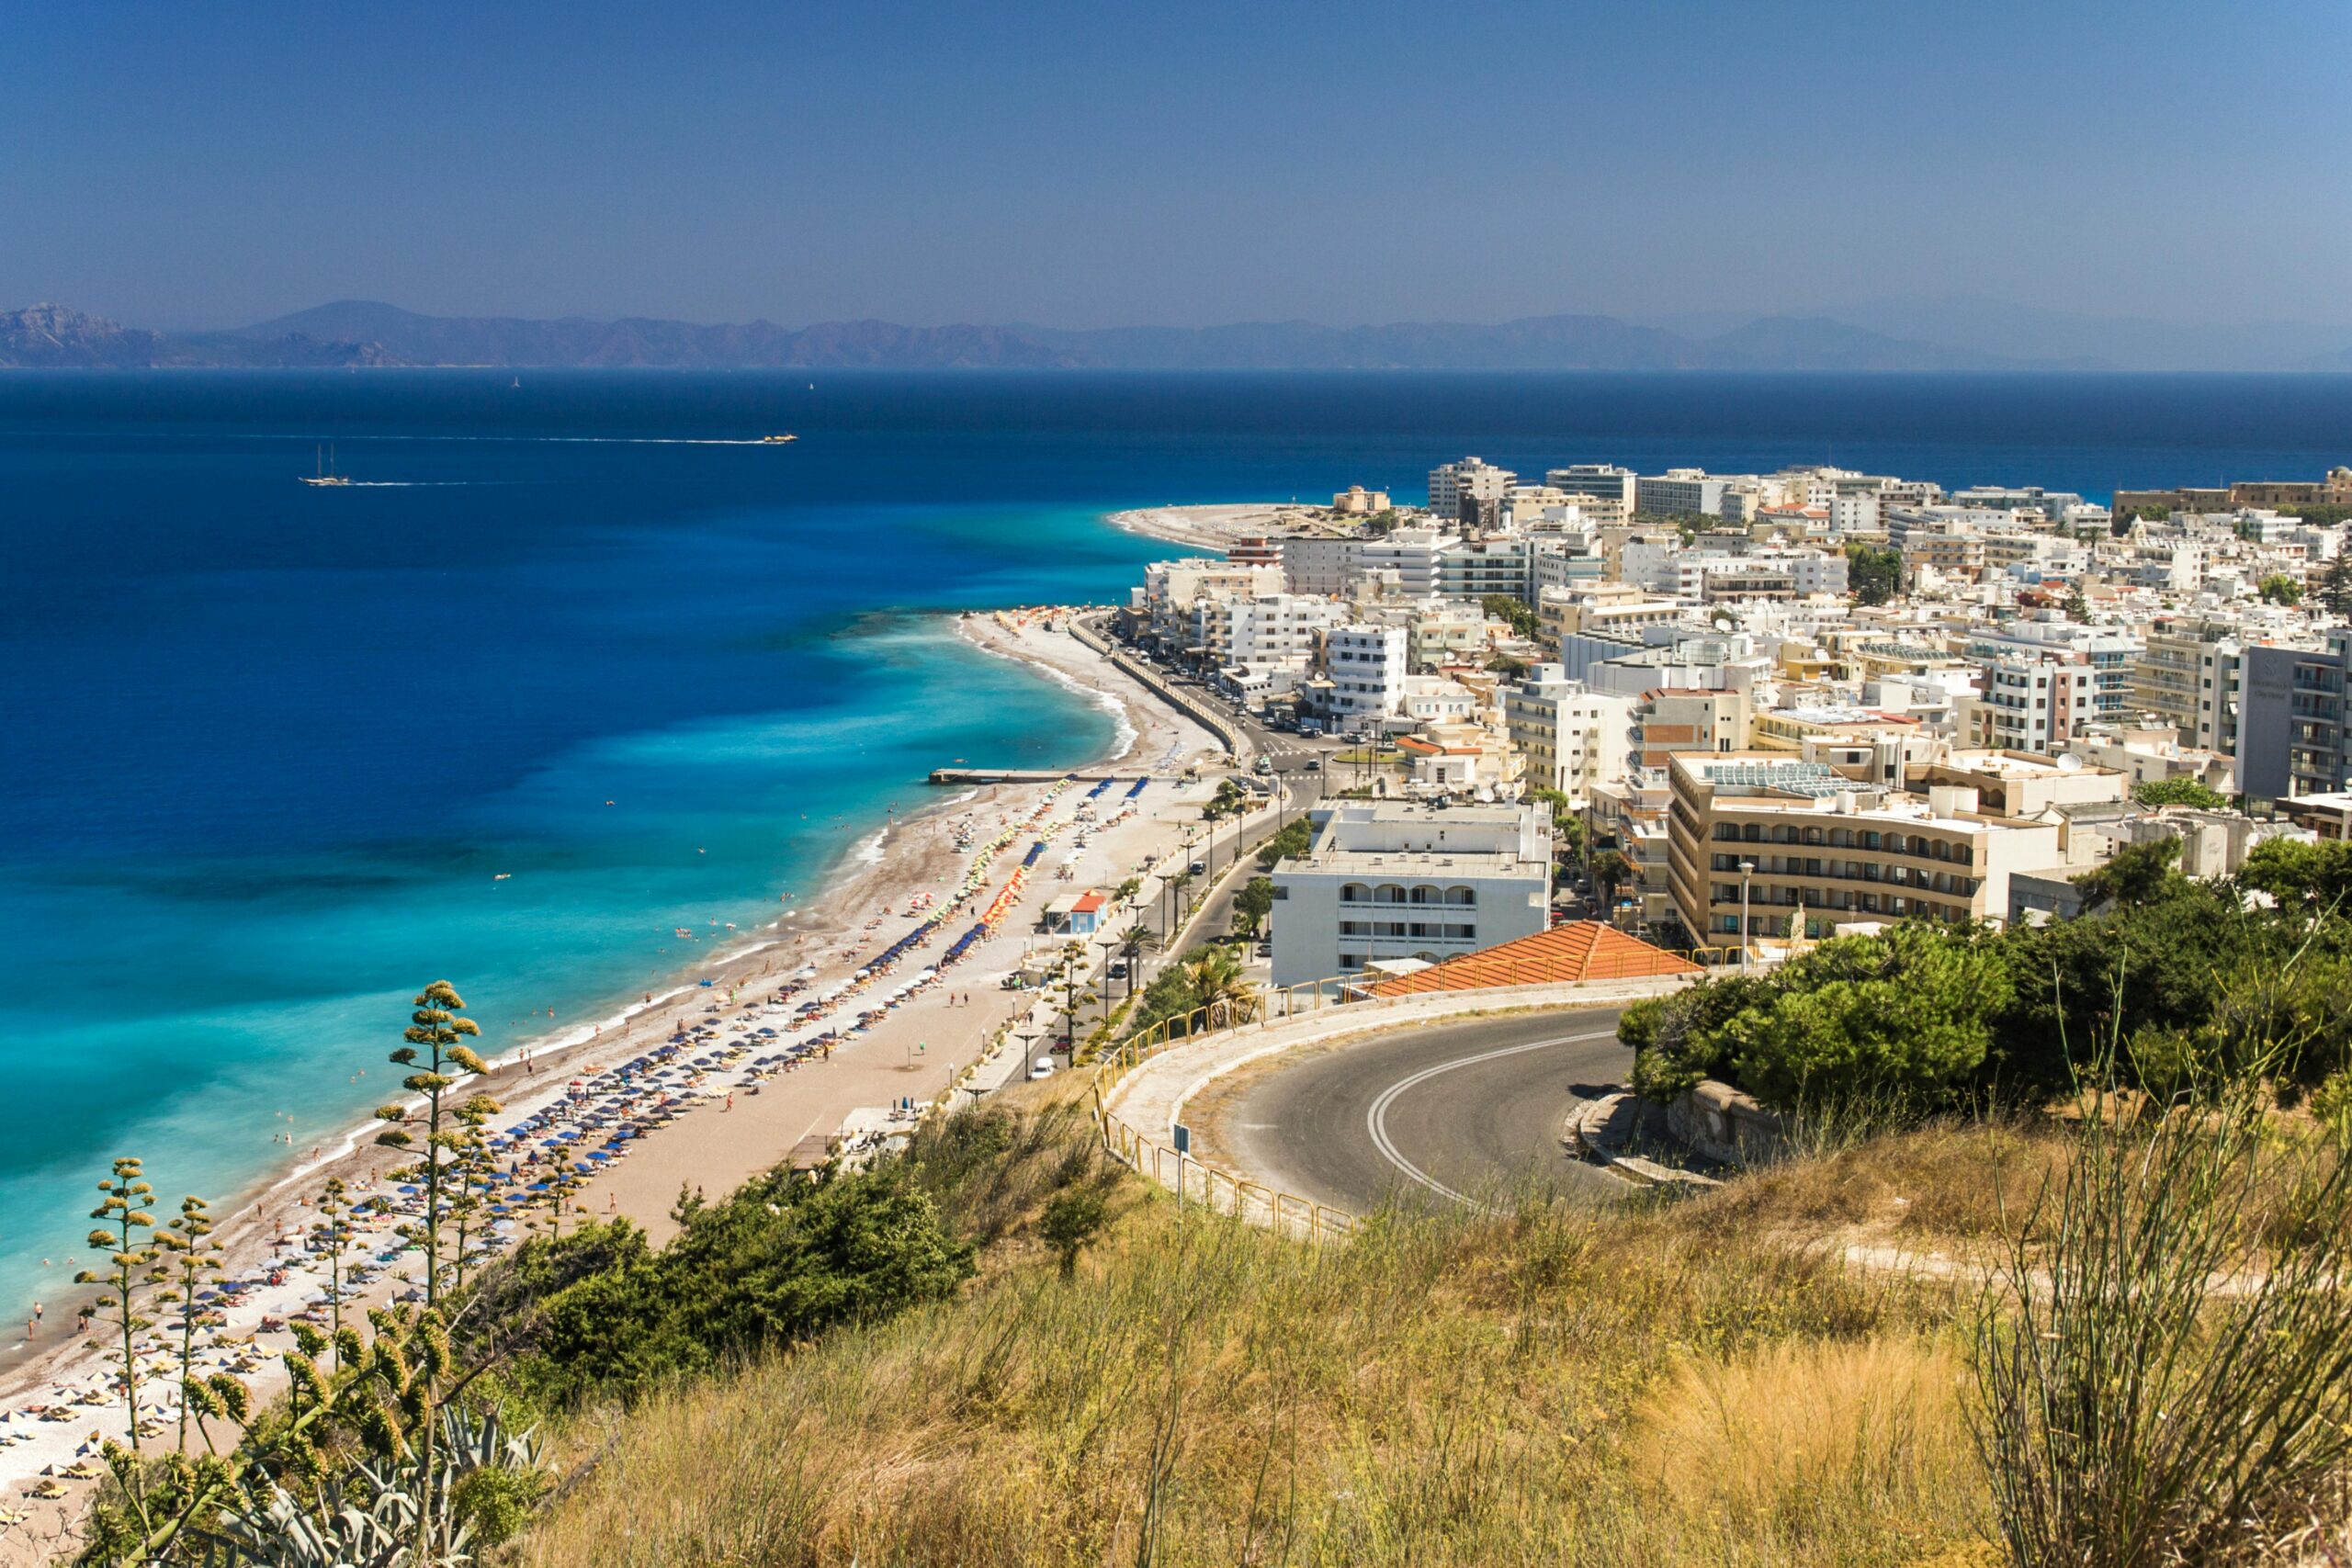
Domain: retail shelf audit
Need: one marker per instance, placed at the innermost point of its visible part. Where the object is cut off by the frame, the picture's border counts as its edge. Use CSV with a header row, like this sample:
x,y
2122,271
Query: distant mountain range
x,y
362,333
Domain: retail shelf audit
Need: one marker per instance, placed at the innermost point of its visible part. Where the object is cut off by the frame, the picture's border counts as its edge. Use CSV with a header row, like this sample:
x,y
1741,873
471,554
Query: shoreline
x,y
911,862
1214,526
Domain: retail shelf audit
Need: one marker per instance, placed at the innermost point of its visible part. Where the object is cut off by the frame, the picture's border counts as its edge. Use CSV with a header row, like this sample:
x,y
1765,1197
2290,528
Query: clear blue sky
x,y
1079,165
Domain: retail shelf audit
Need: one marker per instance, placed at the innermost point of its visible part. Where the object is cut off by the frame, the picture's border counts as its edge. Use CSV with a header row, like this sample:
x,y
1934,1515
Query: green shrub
x,y
602,1313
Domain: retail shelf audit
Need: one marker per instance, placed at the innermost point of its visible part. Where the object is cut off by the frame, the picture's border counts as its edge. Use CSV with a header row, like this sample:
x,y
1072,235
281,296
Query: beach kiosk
x,y
1076,914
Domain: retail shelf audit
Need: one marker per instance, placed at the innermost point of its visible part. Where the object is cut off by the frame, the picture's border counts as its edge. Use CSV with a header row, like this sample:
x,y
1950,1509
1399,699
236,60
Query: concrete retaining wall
x,y
1726,1124
1192,708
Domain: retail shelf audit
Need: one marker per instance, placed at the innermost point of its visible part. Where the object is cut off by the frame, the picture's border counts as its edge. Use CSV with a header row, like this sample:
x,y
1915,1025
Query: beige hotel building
x,y
1844,850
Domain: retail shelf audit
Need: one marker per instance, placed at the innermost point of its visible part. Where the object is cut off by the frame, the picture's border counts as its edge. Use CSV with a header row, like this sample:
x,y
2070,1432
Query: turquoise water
x,y
270,745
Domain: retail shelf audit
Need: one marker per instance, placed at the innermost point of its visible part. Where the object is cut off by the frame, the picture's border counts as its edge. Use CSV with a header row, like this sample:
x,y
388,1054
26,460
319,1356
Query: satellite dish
x,y
2069,764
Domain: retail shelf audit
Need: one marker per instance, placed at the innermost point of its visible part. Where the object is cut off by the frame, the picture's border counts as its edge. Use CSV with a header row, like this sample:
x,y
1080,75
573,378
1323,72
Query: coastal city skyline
x,y
1055,785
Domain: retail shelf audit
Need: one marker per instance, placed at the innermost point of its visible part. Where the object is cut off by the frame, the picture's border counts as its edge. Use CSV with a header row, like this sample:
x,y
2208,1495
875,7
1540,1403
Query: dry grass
x,y
1550,1386
1945,1183
1794,1442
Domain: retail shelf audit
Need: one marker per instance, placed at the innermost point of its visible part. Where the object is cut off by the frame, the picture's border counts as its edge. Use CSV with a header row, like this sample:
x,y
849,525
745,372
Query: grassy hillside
x,y
1542,1384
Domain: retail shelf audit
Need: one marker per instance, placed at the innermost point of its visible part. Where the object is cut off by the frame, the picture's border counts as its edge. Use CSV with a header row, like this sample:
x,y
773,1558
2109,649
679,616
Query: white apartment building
x,y
2191,675
1401,880
1815,572
1612,611
1268,628
2052,504
1652,561
1558,562
1445,631
1413,554
1367,666
1314,564
2029,705
1684,492
1603,482
2050,635
1434,699
1472,477
1170,588
1855,514
1500,563
1573,738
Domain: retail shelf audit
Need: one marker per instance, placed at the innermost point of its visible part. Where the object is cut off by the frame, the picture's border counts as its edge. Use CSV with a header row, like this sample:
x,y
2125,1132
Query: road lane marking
x,y
1376,1119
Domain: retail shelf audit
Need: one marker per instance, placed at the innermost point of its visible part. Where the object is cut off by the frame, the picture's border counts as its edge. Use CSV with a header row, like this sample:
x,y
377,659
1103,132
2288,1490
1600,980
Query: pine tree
x,y
2335,585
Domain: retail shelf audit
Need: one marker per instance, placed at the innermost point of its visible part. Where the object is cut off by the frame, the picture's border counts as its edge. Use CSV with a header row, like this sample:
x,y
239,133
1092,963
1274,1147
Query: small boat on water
x,y
326,474
777,440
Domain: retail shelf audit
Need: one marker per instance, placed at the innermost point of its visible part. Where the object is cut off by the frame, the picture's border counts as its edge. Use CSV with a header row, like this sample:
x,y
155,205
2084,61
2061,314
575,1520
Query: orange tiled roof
x,y
1581,950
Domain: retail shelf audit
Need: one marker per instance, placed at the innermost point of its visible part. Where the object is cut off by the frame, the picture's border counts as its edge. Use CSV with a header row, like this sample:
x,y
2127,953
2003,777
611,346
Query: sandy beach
x,y
1213,527
795,1033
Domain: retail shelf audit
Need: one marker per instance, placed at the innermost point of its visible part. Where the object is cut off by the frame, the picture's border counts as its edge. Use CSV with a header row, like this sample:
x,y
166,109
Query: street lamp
x,y
1746,870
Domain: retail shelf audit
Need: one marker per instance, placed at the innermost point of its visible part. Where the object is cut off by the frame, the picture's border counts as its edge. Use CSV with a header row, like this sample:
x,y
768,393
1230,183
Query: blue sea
x,y
270,745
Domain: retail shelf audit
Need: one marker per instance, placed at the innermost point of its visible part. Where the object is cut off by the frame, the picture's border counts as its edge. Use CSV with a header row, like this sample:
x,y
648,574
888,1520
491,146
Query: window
x,y
1464,898
1356,893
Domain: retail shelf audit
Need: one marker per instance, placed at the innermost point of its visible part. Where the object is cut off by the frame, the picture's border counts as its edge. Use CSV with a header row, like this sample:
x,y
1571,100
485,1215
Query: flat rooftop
x,y
1474,863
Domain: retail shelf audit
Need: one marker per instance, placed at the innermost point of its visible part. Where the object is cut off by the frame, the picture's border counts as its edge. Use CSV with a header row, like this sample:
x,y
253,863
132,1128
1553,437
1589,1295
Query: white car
x,y
1043,1068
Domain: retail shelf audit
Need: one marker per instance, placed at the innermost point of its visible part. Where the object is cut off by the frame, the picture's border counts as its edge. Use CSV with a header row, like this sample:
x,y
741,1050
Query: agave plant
x,y
367,1517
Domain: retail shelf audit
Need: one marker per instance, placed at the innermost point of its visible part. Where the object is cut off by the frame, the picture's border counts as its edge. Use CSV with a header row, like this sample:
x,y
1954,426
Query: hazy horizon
x,y
1194,165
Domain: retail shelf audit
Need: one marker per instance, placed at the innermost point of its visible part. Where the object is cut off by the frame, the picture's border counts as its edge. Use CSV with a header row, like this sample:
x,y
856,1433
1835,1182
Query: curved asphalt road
x,y
1446,1112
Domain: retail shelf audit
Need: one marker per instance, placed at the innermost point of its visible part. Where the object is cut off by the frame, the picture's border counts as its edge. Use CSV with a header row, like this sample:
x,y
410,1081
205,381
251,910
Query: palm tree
x,y
1074,997
1227,996
1140,938
1179,885
1609,868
